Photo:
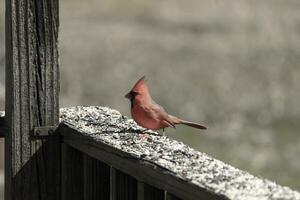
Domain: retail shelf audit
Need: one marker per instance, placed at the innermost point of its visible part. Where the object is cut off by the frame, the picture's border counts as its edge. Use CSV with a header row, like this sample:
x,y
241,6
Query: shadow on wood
x,y
36,175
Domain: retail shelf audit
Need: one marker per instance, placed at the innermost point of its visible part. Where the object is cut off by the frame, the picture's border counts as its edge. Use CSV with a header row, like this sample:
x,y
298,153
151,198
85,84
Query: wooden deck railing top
x,y
159,160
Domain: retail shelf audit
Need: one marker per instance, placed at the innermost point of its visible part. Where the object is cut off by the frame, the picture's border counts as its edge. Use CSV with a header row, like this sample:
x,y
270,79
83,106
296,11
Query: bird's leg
x,y
144,136
164,132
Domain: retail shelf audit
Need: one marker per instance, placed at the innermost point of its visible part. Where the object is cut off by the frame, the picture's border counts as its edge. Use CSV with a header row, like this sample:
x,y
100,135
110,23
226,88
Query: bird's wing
x,y
169,123
161,114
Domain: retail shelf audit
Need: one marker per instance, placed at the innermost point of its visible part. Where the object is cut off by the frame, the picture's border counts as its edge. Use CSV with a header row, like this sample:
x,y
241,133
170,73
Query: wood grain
x,y
125,186
96,179
72,174
153,193
32,87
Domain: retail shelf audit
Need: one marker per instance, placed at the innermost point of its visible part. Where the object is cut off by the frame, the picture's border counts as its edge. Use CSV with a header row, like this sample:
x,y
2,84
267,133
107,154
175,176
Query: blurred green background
x,y
233,65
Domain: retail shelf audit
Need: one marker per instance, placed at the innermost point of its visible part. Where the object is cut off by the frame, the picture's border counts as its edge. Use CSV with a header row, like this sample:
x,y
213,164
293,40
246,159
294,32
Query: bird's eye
x,y
133,93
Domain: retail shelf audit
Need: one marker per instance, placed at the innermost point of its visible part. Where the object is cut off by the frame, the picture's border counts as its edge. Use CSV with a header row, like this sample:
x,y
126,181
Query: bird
x,y
148,114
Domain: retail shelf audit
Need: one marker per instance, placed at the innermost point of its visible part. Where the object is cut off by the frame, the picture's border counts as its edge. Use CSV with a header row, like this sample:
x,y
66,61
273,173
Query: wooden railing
x,y
95,153
106,156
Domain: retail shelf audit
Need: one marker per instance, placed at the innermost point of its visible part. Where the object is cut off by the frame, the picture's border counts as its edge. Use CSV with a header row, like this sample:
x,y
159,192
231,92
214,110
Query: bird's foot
x,y
145,137
133,130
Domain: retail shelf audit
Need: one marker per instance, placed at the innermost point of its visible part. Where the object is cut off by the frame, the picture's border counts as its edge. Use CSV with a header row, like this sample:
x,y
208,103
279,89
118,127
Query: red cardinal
x,y
149,114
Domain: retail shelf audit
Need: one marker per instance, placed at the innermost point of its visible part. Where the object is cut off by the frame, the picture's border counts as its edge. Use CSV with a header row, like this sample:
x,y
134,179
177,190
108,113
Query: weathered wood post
x,y
32,164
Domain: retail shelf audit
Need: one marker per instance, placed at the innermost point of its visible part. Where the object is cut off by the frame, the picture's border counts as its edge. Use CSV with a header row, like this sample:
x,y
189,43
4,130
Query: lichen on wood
x,y
108,126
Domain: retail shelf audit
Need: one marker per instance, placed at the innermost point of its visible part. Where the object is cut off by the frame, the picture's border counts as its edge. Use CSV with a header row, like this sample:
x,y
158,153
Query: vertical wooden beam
x,y
113,183
123,186
72,174
96,179
32,166
140,191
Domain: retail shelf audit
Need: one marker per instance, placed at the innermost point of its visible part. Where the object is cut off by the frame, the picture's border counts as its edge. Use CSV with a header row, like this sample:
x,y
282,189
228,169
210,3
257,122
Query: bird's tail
x,y
193,124
176,120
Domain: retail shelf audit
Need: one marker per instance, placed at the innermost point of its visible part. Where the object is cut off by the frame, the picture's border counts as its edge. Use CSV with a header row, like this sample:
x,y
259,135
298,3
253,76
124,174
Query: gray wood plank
x,y
148,192
140,191
32,86
113,183
72,174
153,193
96,179
125,186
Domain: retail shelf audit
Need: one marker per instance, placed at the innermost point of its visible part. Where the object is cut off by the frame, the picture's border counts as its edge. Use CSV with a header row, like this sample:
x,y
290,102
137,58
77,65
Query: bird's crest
x,y
141,86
